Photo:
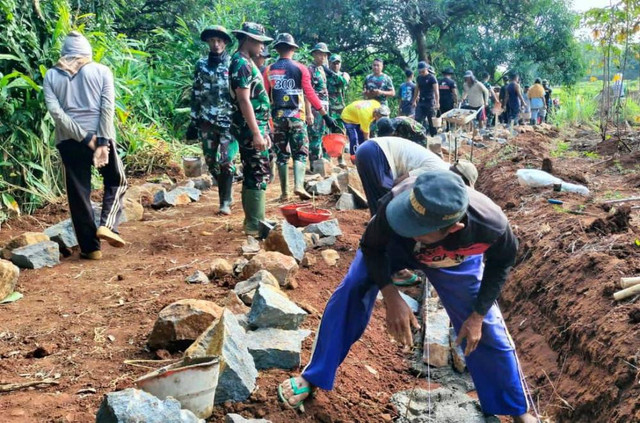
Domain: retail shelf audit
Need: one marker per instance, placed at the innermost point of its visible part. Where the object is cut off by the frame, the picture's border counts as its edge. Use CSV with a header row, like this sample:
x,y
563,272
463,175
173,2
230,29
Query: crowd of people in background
x,y
270,109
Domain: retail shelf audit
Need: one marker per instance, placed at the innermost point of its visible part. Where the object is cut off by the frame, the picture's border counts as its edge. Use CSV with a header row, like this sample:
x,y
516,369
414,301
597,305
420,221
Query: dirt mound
x,y
579,349
616,223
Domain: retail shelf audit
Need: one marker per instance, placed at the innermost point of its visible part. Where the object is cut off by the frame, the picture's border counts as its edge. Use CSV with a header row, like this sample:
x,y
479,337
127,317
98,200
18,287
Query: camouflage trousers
x,y
220,150
337,116
290,139
255,164
316,131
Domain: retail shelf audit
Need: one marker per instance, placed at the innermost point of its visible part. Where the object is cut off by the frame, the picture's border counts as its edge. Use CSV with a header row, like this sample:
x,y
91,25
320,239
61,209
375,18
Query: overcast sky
x,y
583,5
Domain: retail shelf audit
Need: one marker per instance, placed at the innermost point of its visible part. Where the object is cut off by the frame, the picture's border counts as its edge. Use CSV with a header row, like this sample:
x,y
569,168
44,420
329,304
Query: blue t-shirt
x,y
405,94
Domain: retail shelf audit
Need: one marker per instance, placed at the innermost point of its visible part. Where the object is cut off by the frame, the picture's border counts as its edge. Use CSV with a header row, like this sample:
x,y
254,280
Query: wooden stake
x,y
622,200
626,293
627,282
17,386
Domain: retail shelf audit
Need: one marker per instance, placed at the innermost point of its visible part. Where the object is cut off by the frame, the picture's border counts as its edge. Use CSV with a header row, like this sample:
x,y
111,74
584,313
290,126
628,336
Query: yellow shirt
x,y
360,113
536,91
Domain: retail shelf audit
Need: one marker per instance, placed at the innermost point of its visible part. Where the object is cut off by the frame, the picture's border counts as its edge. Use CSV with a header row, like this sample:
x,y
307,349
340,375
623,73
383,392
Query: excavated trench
x,y
578,347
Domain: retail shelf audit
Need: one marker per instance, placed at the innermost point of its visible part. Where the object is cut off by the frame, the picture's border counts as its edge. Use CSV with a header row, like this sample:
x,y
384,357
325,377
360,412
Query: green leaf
x,y
12,298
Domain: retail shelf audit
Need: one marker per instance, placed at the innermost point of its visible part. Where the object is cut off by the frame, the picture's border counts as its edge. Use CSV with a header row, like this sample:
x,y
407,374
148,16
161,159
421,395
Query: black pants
x,y
426,111
78,159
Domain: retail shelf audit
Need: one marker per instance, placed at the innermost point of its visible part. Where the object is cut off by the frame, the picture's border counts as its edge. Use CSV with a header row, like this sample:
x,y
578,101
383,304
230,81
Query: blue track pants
x,y
493,365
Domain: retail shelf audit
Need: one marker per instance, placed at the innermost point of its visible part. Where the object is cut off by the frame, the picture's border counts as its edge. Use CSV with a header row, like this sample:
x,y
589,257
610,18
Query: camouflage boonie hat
x,y
322,47
335,58
383,110
215,31
285,38
253,30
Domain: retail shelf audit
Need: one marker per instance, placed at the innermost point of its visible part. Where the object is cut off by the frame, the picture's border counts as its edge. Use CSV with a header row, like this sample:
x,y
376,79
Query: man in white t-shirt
x,y
384,161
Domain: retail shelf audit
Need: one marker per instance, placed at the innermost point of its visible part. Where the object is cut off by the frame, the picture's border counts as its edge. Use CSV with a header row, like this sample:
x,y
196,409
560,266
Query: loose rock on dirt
x,y
327,228
9,274
180,323
276,348
447,406
283,267
133,405
248,287
272,309
27,238
237,418
198,277
286,239
37,256
330,257
227,339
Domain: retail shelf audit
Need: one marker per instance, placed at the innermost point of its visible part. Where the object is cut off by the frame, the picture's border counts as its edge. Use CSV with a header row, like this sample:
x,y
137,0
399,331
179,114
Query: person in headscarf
x,y
79,95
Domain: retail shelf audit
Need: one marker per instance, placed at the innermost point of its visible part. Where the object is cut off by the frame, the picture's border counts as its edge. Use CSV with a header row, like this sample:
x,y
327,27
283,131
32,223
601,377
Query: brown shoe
x,y
94,255
111,237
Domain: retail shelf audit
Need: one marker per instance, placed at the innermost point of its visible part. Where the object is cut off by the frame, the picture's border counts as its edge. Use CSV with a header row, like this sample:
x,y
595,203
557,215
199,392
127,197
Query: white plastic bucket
x,y
193,384
437,122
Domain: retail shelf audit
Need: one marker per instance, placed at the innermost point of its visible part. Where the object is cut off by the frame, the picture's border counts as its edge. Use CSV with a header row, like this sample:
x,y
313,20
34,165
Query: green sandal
x,y
413,280
296,391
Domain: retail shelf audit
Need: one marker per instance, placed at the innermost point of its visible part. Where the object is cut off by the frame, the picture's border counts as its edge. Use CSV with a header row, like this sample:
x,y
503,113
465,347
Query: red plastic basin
x,y
308,215
334,144
290,212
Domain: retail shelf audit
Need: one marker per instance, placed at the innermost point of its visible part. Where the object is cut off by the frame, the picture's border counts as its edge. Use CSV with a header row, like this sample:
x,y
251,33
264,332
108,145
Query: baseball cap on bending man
x,y
437,200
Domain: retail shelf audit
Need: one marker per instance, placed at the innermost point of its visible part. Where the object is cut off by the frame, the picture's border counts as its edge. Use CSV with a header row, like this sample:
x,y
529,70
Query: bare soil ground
x,y
580,350
81,320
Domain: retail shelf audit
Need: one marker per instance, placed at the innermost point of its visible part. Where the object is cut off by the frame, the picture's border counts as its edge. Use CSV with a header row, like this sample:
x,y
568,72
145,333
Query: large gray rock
x,y
349,177
9,274
436,338
198,277
272,309
286,239
227,340
238,265
202,183
325,241
321,167
237,418
250,247
325,187
329,227
193,193
246,289
36,256
276,348
182,322
346,202
135,406
176,197
447,406
283,267
22,240
64,234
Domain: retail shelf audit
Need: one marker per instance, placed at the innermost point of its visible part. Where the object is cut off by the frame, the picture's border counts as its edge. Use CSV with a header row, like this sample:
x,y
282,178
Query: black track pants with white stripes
x,y
78,160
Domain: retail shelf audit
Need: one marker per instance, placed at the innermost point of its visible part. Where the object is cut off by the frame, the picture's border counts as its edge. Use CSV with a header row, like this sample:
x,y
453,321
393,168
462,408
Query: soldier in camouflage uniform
x,y
378,85
403,127
250,122
337,83
319,81
211,111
